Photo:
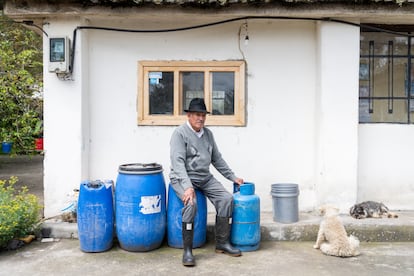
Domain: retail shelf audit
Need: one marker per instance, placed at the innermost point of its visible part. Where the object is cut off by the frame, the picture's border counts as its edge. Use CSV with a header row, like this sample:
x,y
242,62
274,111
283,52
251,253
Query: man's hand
x,y
239,181
189,196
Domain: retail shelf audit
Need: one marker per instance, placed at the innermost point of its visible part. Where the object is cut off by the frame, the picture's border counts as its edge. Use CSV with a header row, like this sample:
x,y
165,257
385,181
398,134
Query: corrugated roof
x,y
183,2
230,2
41,8
132,3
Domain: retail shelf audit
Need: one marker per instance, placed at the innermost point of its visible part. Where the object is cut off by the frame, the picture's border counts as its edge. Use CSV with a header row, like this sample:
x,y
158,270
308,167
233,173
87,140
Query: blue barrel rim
x,y
140,168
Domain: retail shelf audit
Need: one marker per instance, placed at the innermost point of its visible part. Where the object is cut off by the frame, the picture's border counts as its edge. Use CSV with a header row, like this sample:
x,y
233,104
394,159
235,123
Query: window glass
x,y
161,92
384,78
380,43
223,93
410,89
192,87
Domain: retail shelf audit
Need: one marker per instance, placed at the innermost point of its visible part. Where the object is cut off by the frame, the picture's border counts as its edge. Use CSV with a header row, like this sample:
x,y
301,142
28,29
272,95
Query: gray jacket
x,y
191,157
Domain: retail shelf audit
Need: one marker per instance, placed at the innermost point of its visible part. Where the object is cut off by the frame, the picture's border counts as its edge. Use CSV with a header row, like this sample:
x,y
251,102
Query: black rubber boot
x,y
223,245
188,233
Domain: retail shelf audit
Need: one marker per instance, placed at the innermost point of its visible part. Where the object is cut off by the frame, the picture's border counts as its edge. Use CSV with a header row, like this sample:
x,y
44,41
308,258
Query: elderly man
x,y
193,149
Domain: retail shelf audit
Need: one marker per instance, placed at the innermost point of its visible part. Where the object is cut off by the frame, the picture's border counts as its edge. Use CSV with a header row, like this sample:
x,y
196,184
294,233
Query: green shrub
x,y
21,85
19,212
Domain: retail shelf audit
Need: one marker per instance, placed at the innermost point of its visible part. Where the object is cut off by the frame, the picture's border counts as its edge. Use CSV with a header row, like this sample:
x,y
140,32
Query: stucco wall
x,y
385,166
91,126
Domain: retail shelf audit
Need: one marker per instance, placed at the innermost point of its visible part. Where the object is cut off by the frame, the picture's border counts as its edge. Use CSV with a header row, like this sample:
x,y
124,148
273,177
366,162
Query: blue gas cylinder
x,y
245,230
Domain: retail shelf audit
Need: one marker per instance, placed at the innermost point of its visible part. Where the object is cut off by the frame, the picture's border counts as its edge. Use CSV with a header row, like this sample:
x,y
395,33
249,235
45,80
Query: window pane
x,y
380,112
223,93
384,79
388,77
411,94
381,42
192,86
161,92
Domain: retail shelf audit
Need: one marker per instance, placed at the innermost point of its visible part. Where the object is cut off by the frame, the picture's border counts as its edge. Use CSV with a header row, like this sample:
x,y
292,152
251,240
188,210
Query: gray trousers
x,y
213,190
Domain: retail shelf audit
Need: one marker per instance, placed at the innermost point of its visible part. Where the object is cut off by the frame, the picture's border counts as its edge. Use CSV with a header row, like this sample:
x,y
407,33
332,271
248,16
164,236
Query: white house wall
x,y
385,164
66,158
292,132
337,114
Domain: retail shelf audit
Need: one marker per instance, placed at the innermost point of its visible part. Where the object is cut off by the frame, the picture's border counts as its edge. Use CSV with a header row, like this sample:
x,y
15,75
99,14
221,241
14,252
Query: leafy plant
x,y
19,212
21,85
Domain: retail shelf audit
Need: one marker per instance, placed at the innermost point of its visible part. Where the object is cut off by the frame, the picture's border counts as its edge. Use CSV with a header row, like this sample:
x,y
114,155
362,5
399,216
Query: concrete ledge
x,y
373,230
59,229
399,229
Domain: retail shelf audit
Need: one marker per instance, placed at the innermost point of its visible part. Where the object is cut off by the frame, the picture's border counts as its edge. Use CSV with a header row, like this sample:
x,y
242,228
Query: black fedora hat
x,y
197,105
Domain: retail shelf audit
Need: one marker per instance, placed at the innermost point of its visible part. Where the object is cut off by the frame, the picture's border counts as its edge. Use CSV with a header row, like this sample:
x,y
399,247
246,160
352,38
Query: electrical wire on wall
x,y
244,27
29,23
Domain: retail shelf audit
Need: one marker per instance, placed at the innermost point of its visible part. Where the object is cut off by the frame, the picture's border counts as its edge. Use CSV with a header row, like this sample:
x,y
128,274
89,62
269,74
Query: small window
x,y
166,88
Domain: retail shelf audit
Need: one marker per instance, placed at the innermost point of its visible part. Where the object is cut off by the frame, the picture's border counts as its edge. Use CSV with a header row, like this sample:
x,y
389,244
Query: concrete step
x,y
399,229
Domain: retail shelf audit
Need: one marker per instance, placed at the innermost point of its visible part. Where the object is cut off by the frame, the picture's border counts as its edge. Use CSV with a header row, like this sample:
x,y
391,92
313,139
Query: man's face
x,y
196,120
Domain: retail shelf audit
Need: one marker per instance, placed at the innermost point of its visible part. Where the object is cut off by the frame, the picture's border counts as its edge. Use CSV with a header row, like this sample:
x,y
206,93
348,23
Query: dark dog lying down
x,y
371,209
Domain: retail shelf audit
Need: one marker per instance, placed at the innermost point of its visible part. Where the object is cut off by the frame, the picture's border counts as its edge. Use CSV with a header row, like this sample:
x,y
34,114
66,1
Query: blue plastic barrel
x,y
95,215
140,212
245,230
174,220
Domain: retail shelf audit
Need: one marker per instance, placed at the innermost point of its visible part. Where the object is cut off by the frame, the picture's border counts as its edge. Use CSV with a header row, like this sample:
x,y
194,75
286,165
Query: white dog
x,y
332,238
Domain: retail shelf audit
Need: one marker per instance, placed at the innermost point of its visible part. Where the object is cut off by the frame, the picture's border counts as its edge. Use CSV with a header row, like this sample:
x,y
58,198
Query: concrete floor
x,y
64,257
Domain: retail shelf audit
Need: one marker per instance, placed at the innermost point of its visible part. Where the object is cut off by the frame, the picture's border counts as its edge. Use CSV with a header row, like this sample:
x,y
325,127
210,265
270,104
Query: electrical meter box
x,y
59,55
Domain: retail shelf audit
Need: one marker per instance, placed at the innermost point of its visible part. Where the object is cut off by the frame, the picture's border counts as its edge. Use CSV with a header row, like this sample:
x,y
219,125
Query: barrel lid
x,y
138,168
94,184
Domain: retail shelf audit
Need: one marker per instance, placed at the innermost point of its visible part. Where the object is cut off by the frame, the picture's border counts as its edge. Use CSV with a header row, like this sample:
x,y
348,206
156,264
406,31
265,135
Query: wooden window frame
x,y
144,67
